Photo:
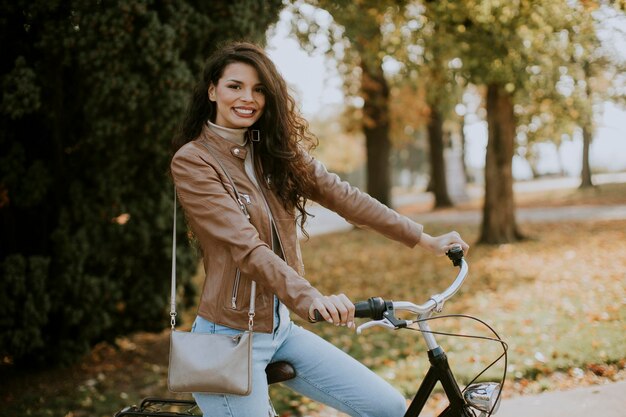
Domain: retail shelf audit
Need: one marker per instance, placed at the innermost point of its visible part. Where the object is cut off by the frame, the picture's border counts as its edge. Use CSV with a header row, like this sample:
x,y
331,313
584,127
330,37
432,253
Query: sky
x,y
316,85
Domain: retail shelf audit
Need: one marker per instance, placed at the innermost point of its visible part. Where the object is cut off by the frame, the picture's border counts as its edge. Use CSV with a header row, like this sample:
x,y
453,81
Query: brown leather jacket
x,y
237,250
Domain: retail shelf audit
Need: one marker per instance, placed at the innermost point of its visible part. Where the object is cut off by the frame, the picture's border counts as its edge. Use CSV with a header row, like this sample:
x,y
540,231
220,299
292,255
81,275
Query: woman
x,y
242,115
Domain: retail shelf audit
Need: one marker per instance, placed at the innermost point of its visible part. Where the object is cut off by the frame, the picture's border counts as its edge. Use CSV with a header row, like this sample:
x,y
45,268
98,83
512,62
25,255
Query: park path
x,y
607,400
325,221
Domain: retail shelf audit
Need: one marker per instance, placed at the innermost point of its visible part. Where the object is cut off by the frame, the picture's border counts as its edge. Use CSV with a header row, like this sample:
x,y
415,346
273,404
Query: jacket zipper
x,y
233,300
267,206
269,213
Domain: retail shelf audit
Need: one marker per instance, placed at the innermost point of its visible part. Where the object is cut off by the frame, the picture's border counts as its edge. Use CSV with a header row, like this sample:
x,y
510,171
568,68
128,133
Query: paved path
x,y
325,221
599,400
530,215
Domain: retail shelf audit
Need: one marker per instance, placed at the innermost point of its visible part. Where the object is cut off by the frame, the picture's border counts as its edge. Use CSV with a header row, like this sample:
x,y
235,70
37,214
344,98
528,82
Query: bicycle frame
x,y
439,371
459,404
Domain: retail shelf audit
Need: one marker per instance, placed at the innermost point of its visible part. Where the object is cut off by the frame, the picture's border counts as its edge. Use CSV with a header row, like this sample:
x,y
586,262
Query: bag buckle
x,y
250,321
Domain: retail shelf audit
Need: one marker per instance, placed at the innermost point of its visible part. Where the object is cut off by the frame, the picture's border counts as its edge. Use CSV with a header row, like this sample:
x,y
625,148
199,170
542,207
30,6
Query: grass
x,y
558,299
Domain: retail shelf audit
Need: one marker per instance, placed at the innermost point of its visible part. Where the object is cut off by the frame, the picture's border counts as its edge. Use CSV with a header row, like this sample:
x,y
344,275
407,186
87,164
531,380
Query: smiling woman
x,y
243,175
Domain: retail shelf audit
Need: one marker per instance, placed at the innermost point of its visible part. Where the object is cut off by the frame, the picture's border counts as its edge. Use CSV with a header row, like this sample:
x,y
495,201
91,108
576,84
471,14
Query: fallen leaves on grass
x,y
558,299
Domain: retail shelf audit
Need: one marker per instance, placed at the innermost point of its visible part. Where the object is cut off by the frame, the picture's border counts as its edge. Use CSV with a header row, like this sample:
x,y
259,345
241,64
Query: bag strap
x,y
251,311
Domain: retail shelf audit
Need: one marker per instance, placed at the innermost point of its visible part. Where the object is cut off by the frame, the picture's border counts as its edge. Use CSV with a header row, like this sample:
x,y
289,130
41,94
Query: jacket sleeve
x,y
360,208
213,213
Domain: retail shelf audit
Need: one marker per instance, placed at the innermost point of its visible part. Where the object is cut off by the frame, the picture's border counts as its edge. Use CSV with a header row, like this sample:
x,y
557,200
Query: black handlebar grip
x,y
373,308
317,316
362,309
456,255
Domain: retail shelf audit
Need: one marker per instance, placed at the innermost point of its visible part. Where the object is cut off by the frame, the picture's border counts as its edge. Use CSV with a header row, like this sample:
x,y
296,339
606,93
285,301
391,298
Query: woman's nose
x,y
247,95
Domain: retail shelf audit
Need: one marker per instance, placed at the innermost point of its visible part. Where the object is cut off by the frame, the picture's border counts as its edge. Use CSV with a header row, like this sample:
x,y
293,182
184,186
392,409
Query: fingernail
x,y
329,320
351,324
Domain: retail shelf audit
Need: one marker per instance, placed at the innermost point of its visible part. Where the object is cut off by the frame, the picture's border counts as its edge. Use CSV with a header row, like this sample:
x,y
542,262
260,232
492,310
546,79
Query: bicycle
x,y
483,397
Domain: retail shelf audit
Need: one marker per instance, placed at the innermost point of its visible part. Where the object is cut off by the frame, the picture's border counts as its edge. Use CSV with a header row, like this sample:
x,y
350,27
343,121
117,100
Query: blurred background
x,y
503,120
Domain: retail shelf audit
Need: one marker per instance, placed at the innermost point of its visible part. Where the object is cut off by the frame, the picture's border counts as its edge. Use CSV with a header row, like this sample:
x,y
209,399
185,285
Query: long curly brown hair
x,y
284,132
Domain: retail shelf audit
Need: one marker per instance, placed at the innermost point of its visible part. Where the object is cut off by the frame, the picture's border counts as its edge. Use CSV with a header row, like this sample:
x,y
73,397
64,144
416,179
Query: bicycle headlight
x,y
483,396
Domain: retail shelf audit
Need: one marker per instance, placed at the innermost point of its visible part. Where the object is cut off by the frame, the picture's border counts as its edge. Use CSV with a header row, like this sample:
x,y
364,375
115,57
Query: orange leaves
x,y
558,299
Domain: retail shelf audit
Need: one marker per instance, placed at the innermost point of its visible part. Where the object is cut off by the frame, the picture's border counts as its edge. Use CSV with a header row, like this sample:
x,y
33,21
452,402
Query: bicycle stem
x,y
429,337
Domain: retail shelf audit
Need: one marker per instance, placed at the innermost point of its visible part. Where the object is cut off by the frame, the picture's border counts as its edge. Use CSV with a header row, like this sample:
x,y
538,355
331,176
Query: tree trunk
x,y
586,171
585,175
464,152
437,164
376,129
499,224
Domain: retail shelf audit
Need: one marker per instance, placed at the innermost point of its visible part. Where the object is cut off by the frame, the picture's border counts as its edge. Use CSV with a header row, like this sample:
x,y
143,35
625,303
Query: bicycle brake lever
x,y
382,323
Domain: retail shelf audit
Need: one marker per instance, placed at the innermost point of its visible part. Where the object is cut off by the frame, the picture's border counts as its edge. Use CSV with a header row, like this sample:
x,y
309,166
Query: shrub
x,y
92,94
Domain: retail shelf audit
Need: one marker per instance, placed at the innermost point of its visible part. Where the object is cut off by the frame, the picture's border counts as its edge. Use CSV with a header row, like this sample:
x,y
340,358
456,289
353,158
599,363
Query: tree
x,y
563,95
429,56
360,30
92,93
497,43
594,67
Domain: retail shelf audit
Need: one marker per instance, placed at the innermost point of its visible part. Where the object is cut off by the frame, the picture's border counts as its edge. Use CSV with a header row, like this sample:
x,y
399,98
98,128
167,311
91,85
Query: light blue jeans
x,y
324,373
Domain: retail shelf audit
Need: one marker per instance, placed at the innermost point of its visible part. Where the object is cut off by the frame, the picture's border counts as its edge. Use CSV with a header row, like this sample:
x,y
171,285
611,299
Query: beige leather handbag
x,y
205,362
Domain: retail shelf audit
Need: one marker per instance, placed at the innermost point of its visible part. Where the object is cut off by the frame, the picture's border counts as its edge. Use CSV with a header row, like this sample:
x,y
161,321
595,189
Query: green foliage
x,y
547,52
92,94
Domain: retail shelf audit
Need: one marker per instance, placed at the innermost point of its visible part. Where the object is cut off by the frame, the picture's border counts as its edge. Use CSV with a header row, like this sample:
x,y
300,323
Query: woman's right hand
x,y
336,309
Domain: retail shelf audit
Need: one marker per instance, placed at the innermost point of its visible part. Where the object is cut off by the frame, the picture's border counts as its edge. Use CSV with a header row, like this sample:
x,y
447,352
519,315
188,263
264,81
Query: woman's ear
x,y
212,92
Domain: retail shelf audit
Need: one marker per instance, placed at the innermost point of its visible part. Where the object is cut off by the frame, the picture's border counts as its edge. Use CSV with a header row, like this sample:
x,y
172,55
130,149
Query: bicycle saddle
x,y
279,372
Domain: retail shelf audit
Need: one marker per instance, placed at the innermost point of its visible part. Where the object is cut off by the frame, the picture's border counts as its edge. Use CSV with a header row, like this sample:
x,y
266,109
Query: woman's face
x,y
238,95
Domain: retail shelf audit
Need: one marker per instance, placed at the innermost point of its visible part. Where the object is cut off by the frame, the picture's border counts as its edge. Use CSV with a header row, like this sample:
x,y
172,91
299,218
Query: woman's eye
x,y
260,90
234,87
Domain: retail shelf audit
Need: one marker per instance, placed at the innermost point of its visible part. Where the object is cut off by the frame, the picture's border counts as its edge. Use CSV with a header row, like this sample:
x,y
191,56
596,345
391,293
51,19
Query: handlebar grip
x,y
317,316
456,255
362,309
373,308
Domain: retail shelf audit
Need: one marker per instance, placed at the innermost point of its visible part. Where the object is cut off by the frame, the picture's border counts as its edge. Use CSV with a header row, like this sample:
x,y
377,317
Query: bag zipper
x,y
233,300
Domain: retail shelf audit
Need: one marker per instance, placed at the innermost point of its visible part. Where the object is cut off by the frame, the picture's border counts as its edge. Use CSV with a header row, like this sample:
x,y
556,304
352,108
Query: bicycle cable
x,y
505,346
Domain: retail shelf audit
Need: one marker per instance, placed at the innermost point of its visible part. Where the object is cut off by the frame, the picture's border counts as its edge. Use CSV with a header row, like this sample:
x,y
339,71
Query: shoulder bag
x,y
206,362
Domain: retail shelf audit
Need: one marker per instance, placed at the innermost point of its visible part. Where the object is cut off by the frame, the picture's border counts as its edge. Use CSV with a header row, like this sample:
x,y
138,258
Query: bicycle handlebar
x,y
375,307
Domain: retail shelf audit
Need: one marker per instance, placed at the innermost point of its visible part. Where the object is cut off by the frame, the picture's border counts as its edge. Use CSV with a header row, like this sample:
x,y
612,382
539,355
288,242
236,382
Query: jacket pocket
x,y
235,291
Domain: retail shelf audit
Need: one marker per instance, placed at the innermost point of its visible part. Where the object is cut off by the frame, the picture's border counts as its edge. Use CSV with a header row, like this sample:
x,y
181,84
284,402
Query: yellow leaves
x,y
596,316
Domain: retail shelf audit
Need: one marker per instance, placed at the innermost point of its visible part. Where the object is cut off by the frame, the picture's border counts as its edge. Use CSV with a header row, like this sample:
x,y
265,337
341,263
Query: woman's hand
x,y
336,309
439,245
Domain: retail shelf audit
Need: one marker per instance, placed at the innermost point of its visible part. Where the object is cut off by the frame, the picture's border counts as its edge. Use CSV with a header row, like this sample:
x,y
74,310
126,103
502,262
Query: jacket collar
x,y
222,145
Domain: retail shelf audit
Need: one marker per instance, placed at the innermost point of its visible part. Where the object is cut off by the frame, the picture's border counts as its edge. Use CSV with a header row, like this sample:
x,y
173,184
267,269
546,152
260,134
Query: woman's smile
x,y
244,111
